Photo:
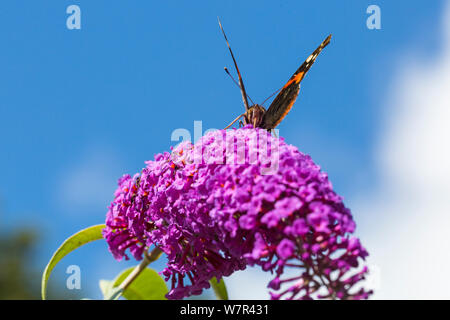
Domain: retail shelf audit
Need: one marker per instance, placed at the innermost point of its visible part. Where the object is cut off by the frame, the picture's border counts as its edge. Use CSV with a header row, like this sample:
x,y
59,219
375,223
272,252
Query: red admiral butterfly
x,y
283,102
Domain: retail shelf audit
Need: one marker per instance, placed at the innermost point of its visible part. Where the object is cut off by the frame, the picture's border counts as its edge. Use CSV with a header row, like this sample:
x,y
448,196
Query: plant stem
x,y
148,258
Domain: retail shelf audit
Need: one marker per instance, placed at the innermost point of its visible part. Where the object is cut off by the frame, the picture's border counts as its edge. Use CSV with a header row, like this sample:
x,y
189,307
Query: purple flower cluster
x,y
236,198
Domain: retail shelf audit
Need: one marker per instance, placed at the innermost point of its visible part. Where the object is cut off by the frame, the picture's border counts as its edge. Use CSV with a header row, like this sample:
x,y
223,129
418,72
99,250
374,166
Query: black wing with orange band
x,y
284,101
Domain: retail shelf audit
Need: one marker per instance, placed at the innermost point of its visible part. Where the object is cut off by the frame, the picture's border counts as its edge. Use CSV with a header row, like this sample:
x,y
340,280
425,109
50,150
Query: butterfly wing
x,y
284,101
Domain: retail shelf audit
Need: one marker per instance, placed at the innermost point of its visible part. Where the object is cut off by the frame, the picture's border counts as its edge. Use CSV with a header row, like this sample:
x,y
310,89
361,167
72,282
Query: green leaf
x,y
148,285
75,241
105,286
219,288
109,291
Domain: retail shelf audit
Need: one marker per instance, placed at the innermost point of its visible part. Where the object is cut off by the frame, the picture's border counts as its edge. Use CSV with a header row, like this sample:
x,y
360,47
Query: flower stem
x,y
148,258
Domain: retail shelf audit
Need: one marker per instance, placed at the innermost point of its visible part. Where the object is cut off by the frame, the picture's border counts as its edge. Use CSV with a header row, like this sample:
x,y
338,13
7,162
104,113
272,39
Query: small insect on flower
x,y
256,114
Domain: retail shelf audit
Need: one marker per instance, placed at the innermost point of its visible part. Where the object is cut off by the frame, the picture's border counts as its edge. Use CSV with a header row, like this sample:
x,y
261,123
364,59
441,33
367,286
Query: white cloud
x,y
90,183
406,224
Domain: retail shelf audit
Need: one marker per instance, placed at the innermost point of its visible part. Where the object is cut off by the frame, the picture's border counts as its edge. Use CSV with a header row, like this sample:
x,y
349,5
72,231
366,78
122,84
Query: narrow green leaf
x,y
75,241
108,290
105,286
219,288
113,294
147,286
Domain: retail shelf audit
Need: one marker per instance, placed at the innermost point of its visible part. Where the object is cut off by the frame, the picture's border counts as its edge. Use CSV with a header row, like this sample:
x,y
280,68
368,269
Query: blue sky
x,y
79,108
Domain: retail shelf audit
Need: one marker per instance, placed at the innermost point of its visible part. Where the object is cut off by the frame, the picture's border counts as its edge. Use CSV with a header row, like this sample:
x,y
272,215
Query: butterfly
x,y
256,114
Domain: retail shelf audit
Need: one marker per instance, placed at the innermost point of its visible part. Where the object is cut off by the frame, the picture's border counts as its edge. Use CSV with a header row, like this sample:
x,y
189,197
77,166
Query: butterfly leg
x,y
234,121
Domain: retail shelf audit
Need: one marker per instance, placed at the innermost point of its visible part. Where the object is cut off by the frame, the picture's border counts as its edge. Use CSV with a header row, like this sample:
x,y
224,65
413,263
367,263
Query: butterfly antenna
x,y
228,72
241,83
262,104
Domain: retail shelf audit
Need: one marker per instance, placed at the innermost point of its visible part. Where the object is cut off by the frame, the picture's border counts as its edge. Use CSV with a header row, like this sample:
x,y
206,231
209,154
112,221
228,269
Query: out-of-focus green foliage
x,y
17,275
20,275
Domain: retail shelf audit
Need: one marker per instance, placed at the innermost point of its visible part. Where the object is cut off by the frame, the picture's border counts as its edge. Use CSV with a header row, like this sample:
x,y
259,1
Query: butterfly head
x,y
254,115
